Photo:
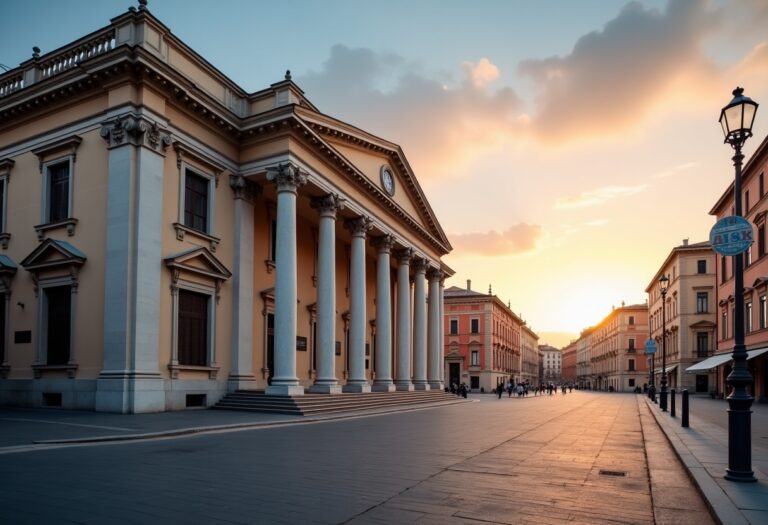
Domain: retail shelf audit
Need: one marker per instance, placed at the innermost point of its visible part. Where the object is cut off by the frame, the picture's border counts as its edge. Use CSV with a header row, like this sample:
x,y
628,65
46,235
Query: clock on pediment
x,y
387,180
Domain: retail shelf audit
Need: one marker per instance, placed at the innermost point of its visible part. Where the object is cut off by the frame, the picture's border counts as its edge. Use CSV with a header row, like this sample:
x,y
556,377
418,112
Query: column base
x,y
421,386
436,385
285,390
383,387
241,382
324,388
356,388
404,387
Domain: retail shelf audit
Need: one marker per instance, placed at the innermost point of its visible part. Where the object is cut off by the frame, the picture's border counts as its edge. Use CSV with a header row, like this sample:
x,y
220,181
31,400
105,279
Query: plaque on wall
x,y
22,336
301,344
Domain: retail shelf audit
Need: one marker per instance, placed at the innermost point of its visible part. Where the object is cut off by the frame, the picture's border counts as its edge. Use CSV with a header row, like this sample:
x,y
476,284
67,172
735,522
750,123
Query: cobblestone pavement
x,y
574,458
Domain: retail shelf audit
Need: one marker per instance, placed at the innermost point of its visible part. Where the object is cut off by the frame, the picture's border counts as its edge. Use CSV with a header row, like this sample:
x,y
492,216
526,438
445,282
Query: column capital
x,y
384,243
358,226
244,188
420,264
434,274
286,177
328,205
132,129
404,255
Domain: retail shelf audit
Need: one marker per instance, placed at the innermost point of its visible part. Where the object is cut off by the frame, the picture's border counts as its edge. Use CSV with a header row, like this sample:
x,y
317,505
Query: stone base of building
x,y
383,387
356,388
285,390
130,393
421,386
241,382
404,387
322,388
436,385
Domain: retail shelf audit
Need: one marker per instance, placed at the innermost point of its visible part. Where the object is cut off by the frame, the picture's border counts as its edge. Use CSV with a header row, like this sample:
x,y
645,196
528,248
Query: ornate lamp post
x,y
736,119
663,285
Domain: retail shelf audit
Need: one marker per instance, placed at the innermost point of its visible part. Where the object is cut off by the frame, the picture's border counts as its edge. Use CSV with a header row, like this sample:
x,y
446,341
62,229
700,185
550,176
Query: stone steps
x,y
308,404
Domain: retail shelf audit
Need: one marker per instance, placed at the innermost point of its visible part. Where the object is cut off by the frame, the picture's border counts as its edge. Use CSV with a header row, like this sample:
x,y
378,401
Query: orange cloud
x,y
515,240
481,73
597,197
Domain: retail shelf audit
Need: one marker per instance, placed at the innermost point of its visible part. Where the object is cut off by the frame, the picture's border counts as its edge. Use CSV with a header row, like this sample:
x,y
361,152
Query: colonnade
x,y
419,336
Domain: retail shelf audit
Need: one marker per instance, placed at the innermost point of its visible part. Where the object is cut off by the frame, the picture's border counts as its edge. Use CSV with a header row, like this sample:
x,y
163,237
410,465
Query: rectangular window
x,y
196,201
454,326
59,318
762,186
702,344
475,358
3,186
748,256
702,302
475,323
761,240
723,269
746,201
631,382
193,328
701,266
273,241
632,343
58,191
748,316
724,324
631,365
763,312
631,319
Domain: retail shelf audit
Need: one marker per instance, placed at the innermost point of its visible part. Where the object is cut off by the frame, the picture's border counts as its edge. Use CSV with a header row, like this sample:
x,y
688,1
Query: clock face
x,y
387,180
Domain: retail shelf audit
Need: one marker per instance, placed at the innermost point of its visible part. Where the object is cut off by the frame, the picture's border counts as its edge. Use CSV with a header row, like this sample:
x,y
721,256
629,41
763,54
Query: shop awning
x,y
668,369
709,363
754,353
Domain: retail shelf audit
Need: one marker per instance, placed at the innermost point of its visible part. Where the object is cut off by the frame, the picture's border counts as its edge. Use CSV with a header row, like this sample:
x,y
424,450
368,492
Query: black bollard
x,y
685,408
672,408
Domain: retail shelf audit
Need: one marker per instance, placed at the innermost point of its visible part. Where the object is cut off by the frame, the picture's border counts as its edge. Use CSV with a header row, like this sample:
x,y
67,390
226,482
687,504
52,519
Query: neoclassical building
x,y
167,237
483,339
617,349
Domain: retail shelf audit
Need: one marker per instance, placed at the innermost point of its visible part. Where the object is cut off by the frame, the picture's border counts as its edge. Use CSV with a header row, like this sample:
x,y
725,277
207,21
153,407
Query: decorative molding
x,y
69,224
359,226
212,371
135,130
404,255
243,188
286,177
70,368
383,243
182,229
183,152
66,145
328,205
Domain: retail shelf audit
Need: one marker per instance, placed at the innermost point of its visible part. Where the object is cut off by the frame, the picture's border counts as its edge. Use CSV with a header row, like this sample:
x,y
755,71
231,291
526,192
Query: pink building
x,y
755,209
617,350
482,339
569,363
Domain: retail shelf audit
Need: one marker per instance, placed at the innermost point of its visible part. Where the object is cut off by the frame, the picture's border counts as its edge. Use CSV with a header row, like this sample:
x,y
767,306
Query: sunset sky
x,y
565,146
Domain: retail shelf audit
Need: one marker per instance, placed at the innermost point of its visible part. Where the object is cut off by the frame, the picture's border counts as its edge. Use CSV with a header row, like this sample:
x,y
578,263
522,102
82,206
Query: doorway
x,y
454,373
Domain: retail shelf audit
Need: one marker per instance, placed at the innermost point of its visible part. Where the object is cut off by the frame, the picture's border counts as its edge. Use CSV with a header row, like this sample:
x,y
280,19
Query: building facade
x,y
529,355
583,359
618,362
168,237
755,210
484,339
568,353
551,364
690,315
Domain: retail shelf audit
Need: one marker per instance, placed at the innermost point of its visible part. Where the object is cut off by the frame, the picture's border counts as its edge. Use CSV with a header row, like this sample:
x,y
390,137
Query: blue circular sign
x,y
731,235
650,346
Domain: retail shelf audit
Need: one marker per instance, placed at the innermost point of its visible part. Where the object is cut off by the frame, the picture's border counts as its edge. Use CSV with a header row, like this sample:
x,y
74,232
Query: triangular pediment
x,y
364,157
52,253
703,324
199,261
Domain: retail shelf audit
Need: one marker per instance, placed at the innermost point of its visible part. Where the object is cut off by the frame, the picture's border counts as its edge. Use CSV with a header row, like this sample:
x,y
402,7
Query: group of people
x,y
522,389
459,390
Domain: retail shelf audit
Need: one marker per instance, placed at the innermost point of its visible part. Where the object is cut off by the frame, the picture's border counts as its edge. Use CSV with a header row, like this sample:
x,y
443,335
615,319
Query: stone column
x,y
288,179
326,382
357,381
433,374
403,376
241,375
420,327
441,330
130,380
383,381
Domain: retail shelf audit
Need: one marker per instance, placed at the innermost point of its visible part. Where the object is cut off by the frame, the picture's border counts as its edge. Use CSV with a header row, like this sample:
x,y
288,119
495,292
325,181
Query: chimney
x,y
469,285
685,242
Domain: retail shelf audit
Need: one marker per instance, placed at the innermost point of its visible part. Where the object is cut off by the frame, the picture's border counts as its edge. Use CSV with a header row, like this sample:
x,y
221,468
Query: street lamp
x,y
663,286
736,119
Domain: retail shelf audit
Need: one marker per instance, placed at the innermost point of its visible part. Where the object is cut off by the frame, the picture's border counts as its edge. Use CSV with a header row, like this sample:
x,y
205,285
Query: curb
x,y
723,510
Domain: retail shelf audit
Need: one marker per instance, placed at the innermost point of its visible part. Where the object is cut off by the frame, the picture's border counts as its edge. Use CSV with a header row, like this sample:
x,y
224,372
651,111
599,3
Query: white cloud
x,y
597,196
